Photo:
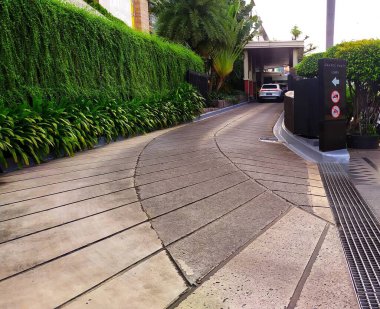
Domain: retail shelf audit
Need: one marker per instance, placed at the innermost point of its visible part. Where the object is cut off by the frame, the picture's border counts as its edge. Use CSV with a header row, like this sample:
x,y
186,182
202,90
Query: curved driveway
x,y
237,223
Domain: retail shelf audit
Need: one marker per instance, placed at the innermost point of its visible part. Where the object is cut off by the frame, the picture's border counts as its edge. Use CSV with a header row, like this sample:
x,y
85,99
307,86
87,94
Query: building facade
x,y
135,13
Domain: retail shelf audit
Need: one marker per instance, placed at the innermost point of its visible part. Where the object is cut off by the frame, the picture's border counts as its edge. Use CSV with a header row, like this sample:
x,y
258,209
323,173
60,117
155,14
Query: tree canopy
x,y
196,23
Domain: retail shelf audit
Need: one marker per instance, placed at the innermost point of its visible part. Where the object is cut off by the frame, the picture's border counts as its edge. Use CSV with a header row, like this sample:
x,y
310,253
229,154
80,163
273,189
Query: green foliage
x,y
308,67
196,23
69,126
295,32
53,50
238,32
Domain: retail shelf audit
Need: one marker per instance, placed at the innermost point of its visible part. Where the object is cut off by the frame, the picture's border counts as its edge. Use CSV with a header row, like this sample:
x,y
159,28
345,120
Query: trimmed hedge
x,y
308,67
53,50
49,128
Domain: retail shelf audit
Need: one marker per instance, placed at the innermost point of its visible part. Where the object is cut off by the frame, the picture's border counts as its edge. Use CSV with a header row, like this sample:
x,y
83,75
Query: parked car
x,y
271,92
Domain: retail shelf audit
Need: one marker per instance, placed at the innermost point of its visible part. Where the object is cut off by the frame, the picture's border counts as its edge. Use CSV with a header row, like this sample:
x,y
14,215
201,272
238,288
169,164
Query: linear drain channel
x,y
359,233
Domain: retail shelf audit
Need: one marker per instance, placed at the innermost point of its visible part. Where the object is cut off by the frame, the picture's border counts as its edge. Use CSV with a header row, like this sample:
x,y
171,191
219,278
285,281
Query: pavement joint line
x,y
242,156
42,166
105,281
280,167
201,199
272,191
211,152
187,186
260,154
316,206
267,173
181,165
176,266
181,175
290,183
82,200
207,277
373,165
65,223
214,220
278,190
270,162
315,215
59,174
221,151
54,183
73,251
34,198
173,155
305,275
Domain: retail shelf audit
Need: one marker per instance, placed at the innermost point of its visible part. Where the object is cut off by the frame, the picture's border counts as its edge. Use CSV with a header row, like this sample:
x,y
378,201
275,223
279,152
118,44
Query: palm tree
x,y
199,24
240,29
295,32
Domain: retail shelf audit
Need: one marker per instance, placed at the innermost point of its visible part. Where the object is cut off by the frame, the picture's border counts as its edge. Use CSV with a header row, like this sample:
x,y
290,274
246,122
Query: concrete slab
x,y
23,208
201,252
127,162
36,222
27,194
186,220
286,179
180,163
179,171
52,284
329,284
54,179
167,202
302,199
23,253
132,290
180,182
287,187
266,273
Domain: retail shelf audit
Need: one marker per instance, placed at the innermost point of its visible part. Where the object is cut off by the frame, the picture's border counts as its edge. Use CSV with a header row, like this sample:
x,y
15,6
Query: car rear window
x,y
270,87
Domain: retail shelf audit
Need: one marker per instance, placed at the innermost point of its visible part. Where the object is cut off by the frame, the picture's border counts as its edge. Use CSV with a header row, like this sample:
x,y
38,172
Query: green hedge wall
x,y
52,50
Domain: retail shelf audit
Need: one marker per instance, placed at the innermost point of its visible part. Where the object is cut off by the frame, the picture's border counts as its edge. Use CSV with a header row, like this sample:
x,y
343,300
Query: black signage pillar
x,y
332,96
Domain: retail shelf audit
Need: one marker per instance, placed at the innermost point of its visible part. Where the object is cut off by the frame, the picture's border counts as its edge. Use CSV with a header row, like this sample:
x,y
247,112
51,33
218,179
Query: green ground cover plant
x,y
56,51
50,128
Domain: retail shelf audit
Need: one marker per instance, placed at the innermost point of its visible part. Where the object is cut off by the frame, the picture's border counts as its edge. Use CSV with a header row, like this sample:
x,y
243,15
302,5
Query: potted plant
x,y
363,82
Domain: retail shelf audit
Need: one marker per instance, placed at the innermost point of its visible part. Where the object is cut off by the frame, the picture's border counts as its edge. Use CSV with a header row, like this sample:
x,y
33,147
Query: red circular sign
x,y
335,96
335,111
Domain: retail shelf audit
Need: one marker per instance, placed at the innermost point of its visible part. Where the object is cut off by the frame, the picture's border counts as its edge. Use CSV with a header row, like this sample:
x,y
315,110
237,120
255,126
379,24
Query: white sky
x,y
354,19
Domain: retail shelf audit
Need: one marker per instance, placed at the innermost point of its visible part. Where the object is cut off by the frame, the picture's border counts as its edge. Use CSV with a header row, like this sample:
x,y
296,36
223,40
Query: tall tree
x,y
240,29
199,24
296,32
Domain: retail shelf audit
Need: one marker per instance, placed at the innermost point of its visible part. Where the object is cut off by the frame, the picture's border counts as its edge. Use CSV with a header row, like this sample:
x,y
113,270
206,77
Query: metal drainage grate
x,y
359,233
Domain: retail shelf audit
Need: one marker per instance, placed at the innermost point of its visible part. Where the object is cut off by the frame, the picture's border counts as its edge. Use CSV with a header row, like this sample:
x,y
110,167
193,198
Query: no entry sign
x,y
335,97
335,111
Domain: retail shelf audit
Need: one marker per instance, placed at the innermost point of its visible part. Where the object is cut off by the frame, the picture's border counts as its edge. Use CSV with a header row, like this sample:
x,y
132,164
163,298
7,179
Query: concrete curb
x,y
219,111
305,149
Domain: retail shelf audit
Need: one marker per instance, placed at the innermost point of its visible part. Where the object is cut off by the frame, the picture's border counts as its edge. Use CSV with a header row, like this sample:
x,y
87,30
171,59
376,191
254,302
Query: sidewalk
x,y
199,216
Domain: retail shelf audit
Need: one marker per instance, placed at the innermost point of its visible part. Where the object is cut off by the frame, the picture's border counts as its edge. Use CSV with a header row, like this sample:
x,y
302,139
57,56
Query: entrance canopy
x,y
259,56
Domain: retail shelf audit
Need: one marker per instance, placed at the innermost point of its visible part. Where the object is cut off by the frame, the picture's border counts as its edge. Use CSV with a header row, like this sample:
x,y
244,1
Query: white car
x,y
271,92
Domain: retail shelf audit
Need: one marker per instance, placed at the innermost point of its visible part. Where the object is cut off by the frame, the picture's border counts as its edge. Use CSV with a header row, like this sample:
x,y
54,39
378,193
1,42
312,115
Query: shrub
x,y
308,67
66,127
53,50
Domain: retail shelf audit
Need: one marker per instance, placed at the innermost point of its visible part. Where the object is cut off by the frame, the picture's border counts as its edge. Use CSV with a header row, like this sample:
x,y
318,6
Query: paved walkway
x,y
199,216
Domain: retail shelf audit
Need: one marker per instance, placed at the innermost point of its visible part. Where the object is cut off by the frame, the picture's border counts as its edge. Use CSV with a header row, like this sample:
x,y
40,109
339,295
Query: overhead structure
x,y
263,56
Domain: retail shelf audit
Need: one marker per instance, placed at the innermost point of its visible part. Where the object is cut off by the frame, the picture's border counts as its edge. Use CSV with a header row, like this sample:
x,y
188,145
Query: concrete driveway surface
x,y
203,215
